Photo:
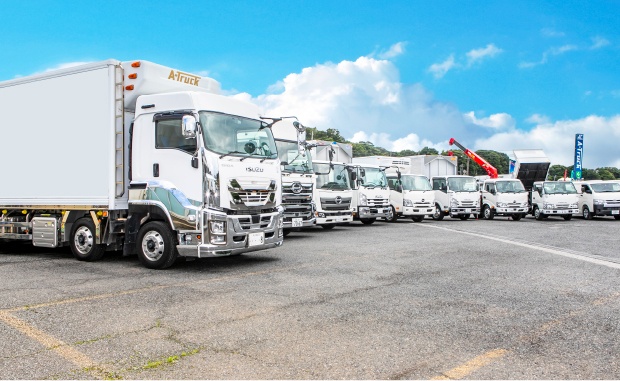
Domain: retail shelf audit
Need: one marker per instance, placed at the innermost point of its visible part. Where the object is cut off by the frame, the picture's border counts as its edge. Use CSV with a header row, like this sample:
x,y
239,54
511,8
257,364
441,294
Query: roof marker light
x,y
135,64
132,76
130,87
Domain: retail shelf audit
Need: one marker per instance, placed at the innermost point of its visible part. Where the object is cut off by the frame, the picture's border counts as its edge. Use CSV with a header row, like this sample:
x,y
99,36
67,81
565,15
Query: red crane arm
x,y
491,170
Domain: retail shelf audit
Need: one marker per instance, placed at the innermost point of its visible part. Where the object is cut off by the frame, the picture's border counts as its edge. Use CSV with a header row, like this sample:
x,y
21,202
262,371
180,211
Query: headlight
x,y
217,227
407,202
363,199
502,204
598,202
548,205
454,202
573,205
524,204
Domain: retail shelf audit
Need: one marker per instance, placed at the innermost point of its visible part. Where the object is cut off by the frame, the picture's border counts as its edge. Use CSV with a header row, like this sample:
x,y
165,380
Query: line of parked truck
x,y
156,162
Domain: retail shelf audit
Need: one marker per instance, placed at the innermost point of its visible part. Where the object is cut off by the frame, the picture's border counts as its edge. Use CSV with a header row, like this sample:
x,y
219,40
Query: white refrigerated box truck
x,y
136,156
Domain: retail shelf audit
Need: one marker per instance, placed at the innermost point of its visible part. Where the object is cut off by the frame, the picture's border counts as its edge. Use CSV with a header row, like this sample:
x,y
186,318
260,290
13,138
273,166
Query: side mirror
x,y
301,138
362,172
189,126
399,188
353,176
492,191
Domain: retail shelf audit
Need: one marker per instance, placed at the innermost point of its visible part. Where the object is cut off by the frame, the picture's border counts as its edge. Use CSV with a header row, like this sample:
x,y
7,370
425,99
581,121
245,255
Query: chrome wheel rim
x,y
153,245
83,240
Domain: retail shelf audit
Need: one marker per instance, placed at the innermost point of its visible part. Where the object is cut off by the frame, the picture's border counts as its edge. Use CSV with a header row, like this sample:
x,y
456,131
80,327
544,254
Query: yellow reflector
x,y
24,211
99,213
5,211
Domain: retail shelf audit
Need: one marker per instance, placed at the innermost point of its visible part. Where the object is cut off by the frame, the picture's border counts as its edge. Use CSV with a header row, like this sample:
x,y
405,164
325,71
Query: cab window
x,y
168,135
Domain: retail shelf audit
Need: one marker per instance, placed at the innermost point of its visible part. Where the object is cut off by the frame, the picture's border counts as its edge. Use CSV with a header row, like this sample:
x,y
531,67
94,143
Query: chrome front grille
x,y
253,198
331,204
254,222
378,202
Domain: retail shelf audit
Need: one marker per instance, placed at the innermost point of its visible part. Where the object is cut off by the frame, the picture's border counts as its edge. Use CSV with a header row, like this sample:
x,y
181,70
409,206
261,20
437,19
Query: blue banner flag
x,y
578,167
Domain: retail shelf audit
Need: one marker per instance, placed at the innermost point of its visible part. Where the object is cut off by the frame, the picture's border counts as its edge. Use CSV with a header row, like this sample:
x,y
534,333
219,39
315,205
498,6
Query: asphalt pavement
x,y
447,299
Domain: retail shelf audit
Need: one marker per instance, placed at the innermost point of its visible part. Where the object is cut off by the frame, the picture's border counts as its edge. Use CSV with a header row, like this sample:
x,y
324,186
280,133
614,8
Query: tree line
x,y
499,160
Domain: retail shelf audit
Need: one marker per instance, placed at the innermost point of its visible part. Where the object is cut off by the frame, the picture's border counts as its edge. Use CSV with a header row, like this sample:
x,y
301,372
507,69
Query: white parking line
x,y
546,249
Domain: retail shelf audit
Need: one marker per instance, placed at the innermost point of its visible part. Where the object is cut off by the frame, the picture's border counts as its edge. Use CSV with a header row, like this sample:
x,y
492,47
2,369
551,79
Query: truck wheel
x,y
417,218
537,214
439,214
156,246
286,232
517,216
617,217
488,213
328,226
586,213
83,241
392,216
464,217
568,217
368,221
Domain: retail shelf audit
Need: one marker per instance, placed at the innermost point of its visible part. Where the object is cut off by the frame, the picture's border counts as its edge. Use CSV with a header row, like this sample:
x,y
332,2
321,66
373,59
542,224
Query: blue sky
x,y
404,74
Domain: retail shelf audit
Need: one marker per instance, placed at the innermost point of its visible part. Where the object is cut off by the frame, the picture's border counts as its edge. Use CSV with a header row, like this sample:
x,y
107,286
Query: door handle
x,y
156,170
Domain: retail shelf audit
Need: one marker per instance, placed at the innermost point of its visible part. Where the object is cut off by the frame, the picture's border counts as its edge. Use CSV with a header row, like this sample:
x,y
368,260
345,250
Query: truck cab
x,y
332,193
599,198
371,195
297,175
504,197
554,198
456,196
411,196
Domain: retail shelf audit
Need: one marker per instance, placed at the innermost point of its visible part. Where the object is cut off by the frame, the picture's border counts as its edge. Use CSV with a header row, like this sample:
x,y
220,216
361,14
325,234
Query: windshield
x,y
415,183
462,184
234,135
373,177
287,151
509,187
338,177
606,187
559,187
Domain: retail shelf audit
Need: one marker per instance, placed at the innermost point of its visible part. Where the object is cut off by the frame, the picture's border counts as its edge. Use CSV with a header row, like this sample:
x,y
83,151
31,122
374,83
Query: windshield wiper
x,y
230,153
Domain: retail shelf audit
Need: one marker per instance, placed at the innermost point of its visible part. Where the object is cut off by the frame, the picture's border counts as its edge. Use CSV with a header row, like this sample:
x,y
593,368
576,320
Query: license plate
x,y
615,212
379,210
467,210
297,222
255,239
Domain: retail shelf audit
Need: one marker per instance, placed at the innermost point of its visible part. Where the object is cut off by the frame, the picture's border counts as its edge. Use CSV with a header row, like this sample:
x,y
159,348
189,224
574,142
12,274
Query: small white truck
x,y
456,196
599,198
554,198
411,196
504,197
138,157
371,195
332,193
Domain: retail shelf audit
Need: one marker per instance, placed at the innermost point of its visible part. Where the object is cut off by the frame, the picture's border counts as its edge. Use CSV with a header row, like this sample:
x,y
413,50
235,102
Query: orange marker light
x,y
132,76
130,87
135,64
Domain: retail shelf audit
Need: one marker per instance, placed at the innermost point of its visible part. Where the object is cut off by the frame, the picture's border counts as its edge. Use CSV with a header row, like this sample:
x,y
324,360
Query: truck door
x,y
162,153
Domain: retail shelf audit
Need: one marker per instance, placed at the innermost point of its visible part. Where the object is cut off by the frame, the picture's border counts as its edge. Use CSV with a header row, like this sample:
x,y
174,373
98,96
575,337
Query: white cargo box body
x,y
59,139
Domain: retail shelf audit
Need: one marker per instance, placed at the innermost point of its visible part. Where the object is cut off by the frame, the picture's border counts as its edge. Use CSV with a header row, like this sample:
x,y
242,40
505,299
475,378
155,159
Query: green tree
x,y
331,135
605,174
428,151
406,152
613,170
590,174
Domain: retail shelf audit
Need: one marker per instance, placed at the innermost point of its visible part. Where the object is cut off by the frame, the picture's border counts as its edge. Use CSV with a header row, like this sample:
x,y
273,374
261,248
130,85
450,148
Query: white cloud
x,y
395,50
501,121
476,55
558,140
555,51
365,100
440,69
599,42
550,32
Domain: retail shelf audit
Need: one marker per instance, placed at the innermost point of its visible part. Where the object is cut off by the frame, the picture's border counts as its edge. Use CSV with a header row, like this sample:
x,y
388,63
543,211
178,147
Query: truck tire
x,y
83,240
156,245
392,216
286,232
464,217
537,214
368,221
617,217
417,218
586,213
517,216
568,217
439,214
328,226
488,213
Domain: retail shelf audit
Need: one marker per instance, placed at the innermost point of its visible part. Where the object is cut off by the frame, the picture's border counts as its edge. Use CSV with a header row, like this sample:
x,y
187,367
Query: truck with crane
x,y
138,157
499,196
